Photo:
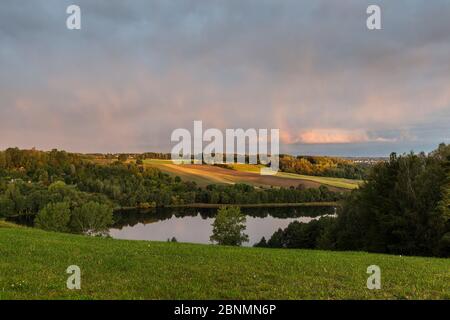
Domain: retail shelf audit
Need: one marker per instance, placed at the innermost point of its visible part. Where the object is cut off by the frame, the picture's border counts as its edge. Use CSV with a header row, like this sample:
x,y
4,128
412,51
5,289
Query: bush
x,y
6,207
54,217
91,218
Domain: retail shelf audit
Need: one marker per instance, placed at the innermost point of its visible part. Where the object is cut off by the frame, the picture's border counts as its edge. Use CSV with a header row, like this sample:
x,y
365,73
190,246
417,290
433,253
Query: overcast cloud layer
x,y
139,69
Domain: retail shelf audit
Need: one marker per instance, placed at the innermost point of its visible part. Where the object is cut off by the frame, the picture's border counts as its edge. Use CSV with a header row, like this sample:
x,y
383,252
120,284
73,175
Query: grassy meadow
x,y
327,181
33,265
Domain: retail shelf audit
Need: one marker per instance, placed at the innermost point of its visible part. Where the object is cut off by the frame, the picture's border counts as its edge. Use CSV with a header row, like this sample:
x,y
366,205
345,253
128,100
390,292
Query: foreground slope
x,y
33,264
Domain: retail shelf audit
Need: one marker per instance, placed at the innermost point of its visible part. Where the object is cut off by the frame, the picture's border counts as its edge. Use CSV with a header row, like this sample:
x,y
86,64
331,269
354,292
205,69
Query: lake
x,y
194,224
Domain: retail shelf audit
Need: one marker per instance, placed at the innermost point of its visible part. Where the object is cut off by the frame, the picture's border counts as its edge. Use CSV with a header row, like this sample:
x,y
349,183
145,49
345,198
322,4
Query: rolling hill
x,y
245,173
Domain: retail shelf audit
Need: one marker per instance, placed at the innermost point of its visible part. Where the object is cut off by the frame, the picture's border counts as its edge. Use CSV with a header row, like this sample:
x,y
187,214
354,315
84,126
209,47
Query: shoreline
x,y
219,205
248,205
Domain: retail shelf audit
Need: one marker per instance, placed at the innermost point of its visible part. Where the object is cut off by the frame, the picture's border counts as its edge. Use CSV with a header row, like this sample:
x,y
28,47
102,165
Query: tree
x,y
54,217
444,208
91,218
229,227
262,243
123,157
396,211
6,206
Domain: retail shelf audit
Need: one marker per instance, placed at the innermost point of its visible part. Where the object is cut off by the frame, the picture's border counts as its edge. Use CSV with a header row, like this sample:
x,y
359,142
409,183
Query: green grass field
x,y
33,265
328,181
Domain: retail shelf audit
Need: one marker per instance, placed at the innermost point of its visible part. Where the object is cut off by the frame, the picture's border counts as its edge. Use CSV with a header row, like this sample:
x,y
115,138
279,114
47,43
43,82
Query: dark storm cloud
x,y
139,69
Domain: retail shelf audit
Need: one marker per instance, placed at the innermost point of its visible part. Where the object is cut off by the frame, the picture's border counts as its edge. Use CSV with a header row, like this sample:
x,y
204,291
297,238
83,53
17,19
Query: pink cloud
x,y
328,135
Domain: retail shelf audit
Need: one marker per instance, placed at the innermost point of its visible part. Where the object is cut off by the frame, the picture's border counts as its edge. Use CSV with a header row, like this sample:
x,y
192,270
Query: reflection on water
x,y
194,224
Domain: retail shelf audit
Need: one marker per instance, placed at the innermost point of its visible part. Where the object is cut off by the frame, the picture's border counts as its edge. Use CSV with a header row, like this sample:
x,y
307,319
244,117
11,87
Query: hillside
x,y
33,264
246,173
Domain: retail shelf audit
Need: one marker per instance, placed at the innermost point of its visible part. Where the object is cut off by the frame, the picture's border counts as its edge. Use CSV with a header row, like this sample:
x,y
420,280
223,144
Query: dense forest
x,y
403,208
31,180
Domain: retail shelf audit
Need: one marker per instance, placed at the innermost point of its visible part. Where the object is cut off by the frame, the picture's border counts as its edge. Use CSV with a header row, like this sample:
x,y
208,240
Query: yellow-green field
x,y
335,182
246,173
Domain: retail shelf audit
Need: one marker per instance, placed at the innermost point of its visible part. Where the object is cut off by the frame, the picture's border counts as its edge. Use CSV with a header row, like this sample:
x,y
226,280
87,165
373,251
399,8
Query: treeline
x,y
57,207
323,166
403,208
125,156
30,180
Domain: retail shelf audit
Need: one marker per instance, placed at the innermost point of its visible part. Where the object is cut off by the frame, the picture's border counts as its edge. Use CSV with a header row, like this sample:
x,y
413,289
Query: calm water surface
x,y
194,224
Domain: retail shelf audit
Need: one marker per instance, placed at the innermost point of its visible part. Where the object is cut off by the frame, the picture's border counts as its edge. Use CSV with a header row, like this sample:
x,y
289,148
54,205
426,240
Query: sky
x,y
137,70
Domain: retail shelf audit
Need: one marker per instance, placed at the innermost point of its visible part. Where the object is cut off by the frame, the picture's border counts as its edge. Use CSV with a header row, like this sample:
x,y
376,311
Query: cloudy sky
x,y
137,70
